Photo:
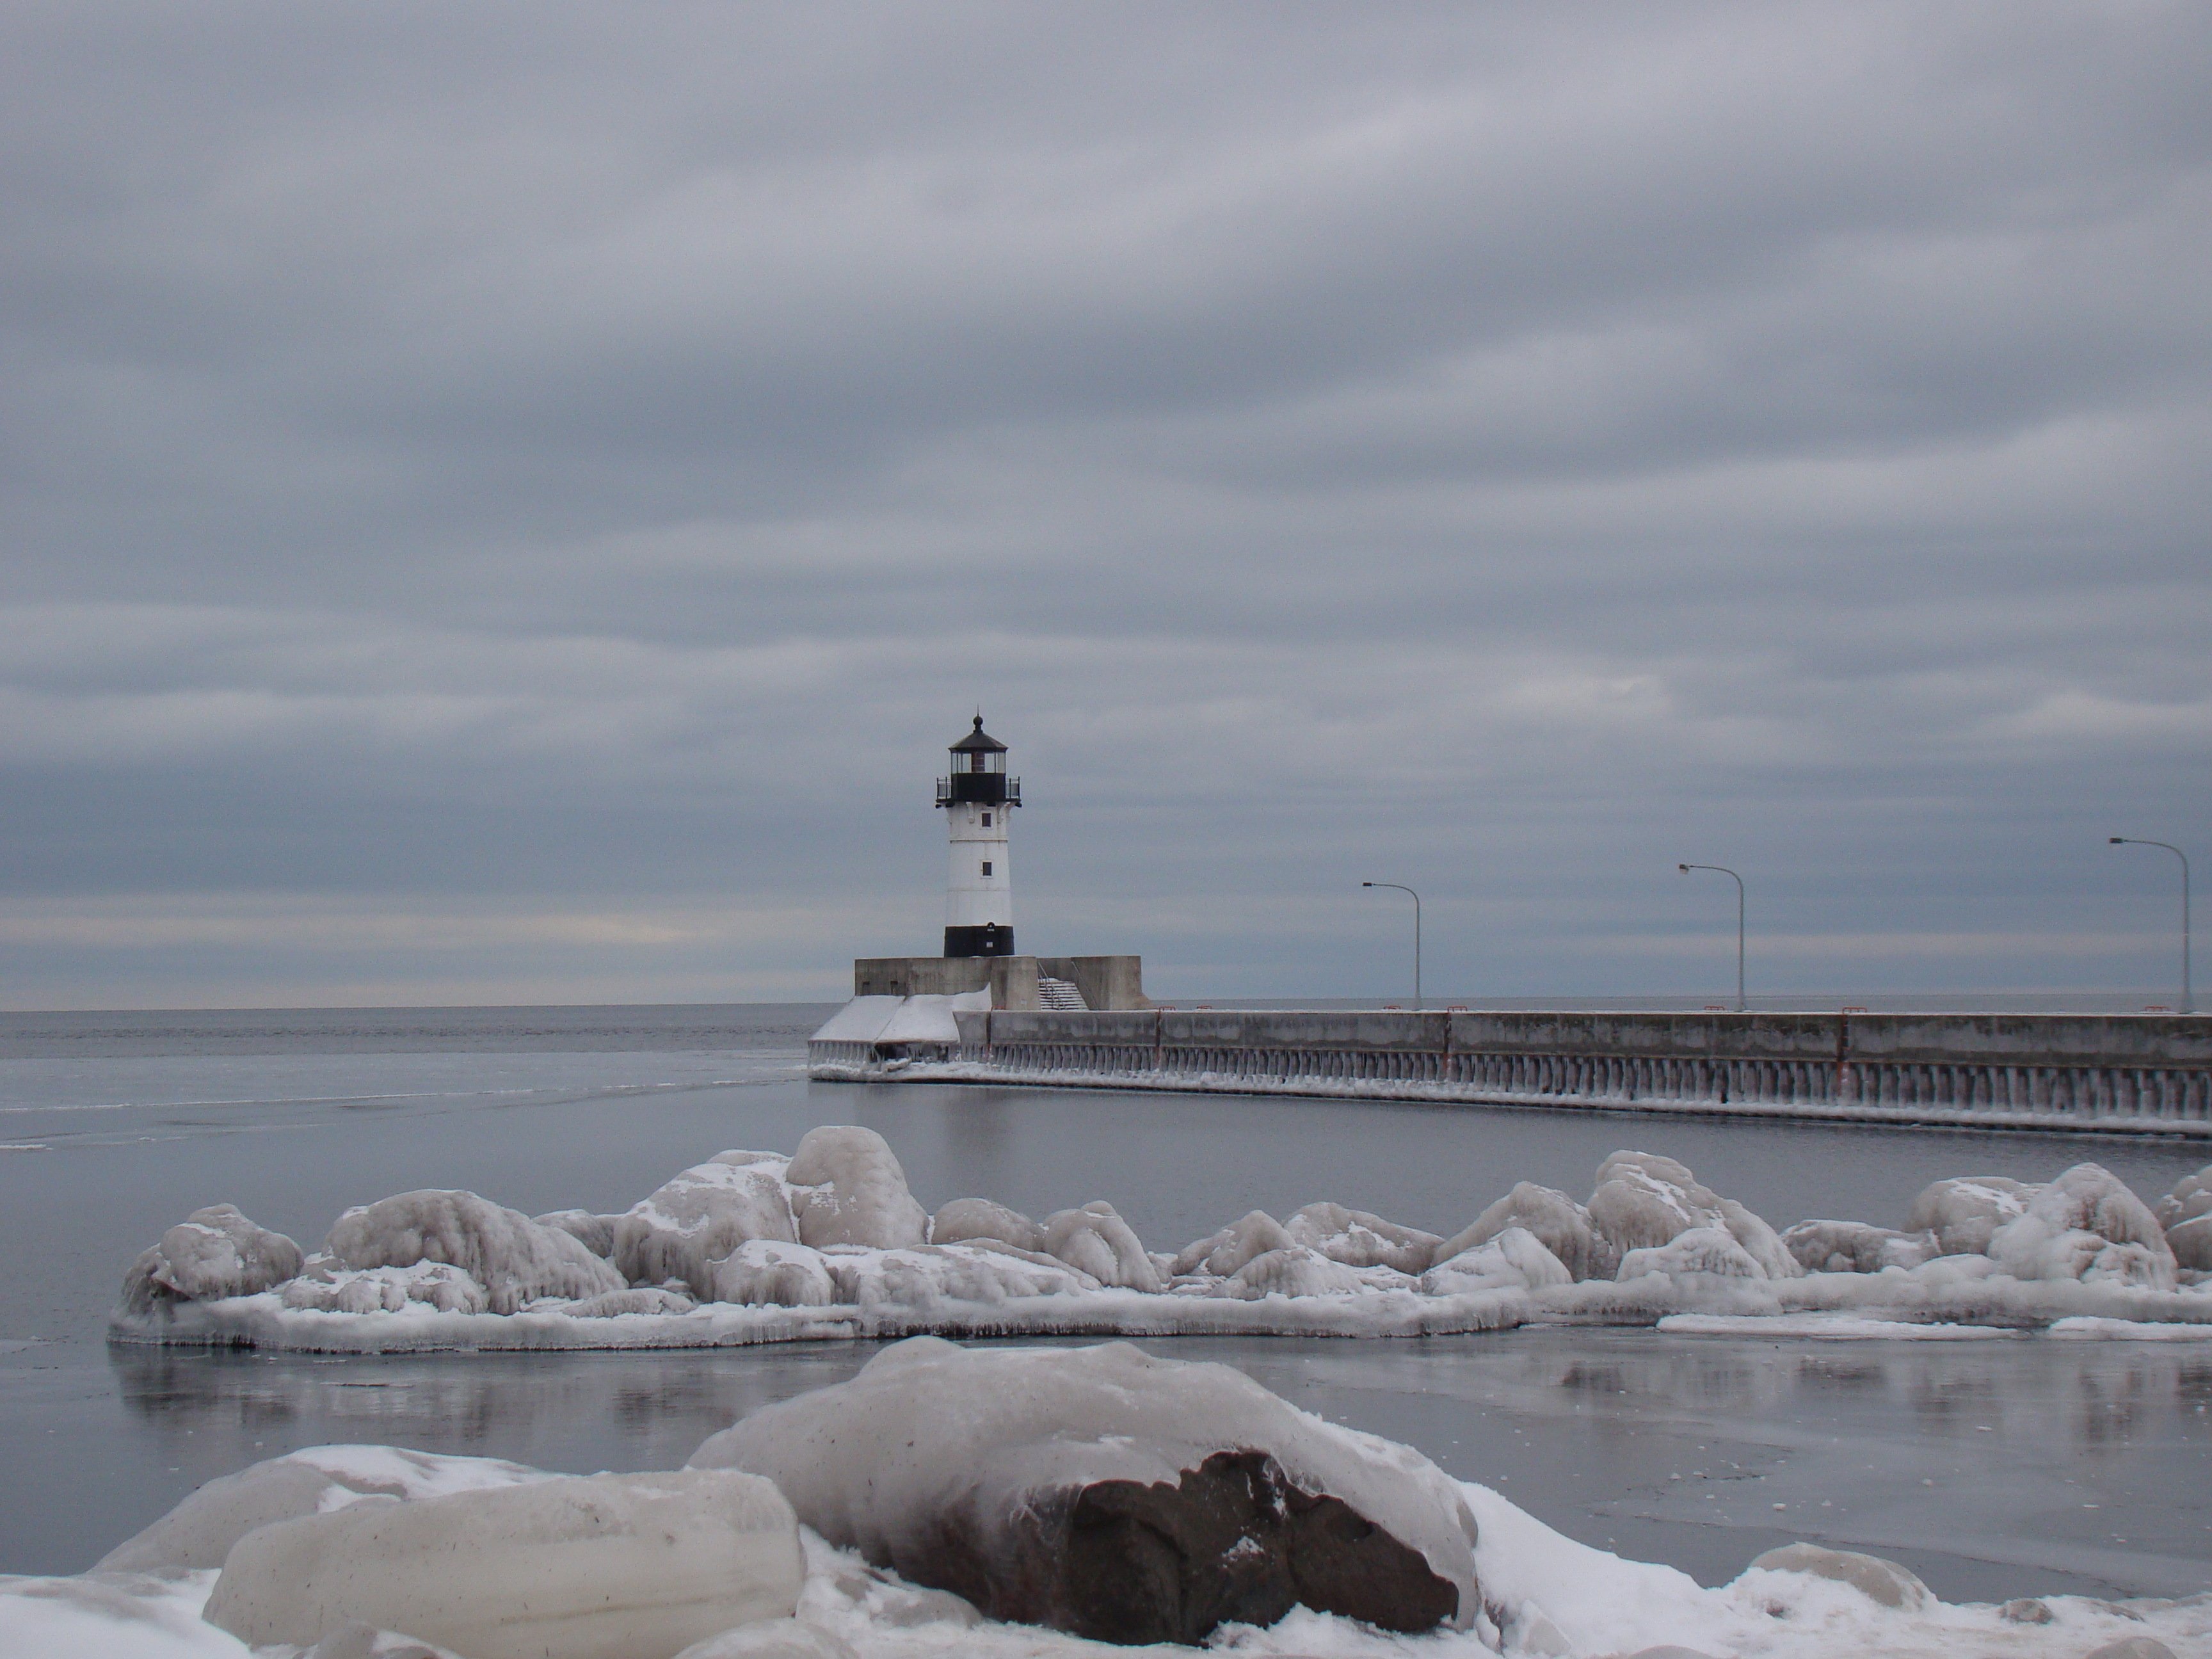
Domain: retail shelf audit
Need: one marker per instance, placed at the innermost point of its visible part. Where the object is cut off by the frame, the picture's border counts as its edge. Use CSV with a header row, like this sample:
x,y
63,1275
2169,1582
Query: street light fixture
x,y
2130,840
1401,888
1724,870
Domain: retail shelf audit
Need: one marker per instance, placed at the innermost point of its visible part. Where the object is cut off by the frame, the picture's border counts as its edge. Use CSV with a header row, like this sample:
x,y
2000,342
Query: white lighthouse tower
x,y
979,900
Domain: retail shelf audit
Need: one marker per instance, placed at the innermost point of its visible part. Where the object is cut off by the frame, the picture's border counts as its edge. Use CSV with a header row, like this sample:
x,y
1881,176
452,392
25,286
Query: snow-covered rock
x,y
1113,1494
697,1216
511,1256
849,1189
199,1532
1294,1270
2085,1225
1712,1251
2186,1213
324,1287
966,1219
1880,1580
596,1233
1095,1240
603,1566
764,1272
1222,1253
1965,1211
1564,1225
1359,1239
1856,1247
1516,1260
213,1253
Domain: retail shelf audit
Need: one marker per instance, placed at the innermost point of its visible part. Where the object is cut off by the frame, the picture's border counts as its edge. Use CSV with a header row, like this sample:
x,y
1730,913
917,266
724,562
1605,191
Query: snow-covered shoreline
x,y
815,1529
752,1247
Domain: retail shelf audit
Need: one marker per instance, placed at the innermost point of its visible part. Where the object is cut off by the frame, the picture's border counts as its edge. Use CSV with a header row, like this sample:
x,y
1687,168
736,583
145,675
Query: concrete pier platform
x,y
2118,1073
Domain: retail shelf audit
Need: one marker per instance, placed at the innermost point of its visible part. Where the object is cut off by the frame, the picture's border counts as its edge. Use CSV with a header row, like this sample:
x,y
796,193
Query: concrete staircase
x,y
1060,995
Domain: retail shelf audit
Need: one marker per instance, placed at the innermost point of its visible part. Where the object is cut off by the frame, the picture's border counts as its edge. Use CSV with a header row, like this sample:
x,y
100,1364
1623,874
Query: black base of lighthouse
x,y
989,940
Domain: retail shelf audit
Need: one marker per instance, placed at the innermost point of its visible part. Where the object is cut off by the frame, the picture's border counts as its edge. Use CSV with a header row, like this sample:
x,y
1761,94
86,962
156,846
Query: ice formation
x,y
1106,1492
513,1259
851,1190
210,1254
603,1566
751,1247
696,1218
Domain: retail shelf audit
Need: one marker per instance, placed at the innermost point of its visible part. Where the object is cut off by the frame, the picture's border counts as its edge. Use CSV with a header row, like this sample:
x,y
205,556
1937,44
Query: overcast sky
x,y
510,503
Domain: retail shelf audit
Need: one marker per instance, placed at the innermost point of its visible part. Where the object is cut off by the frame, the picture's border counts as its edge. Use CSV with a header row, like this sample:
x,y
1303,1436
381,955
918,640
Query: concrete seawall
x,y
2125,1073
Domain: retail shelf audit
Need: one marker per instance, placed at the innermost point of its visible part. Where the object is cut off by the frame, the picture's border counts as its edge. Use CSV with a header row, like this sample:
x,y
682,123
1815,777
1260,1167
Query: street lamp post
x,y
1417,934
1724,870
2187,1007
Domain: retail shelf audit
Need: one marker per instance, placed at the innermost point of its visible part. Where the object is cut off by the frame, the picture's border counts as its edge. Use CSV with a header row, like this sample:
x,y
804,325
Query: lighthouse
x,y
976,796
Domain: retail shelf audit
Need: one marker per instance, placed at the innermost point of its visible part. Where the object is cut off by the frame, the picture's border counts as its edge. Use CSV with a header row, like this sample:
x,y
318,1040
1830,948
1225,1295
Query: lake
x,y
1994,1468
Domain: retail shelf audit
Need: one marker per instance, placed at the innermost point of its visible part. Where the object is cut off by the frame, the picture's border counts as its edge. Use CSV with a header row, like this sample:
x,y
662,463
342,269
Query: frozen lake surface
x,y
1994,1468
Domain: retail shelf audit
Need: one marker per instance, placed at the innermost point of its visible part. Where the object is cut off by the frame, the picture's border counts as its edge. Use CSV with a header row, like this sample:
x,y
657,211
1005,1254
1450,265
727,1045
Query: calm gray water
x,y
1996,1469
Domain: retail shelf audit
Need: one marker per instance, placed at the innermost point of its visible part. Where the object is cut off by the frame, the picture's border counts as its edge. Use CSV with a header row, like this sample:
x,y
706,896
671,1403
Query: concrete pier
x,y
2125,1073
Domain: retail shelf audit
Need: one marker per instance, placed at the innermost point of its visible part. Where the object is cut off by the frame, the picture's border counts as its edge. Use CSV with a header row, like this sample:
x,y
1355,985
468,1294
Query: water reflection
x,y
1994,1468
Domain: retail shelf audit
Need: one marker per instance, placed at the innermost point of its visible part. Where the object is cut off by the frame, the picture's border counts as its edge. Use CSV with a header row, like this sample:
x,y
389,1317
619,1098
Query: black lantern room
x,y
979,773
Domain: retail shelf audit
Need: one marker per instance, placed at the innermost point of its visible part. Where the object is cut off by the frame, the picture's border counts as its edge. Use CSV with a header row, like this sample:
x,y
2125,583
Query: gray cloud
x,y
480,487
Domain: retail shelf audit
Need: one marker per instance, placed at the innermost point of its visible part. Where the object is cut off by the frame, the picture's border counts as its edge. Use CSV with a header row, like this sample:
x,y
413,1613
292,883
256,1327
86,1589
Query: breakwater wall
x,y
2121,1073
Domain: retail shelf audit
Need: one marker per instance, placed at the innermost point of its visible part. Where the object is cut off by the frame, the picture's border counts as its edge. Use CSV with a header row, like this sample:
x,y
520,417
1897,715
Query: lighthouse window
x,y
986,866
987,820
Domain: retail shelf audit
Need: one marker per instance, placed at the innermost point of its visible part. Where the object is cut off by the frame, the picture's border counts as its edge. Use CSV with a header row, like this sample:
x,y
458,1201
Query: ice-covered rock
x,y
1223,1252
851,1190
1642,1200
1515,1259
1564,1225
1710,1250
213,1253
324,1287
511,1256
596,1233
696,1217
603,1566
1880,1581
1294,1270
1105,1491
763,1273
639,1299
1965,1211
929,1275
2186,1213
198,1534
1856,1247
1095,1240
2085,1225
1645,1201
1359,1239
966,1219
